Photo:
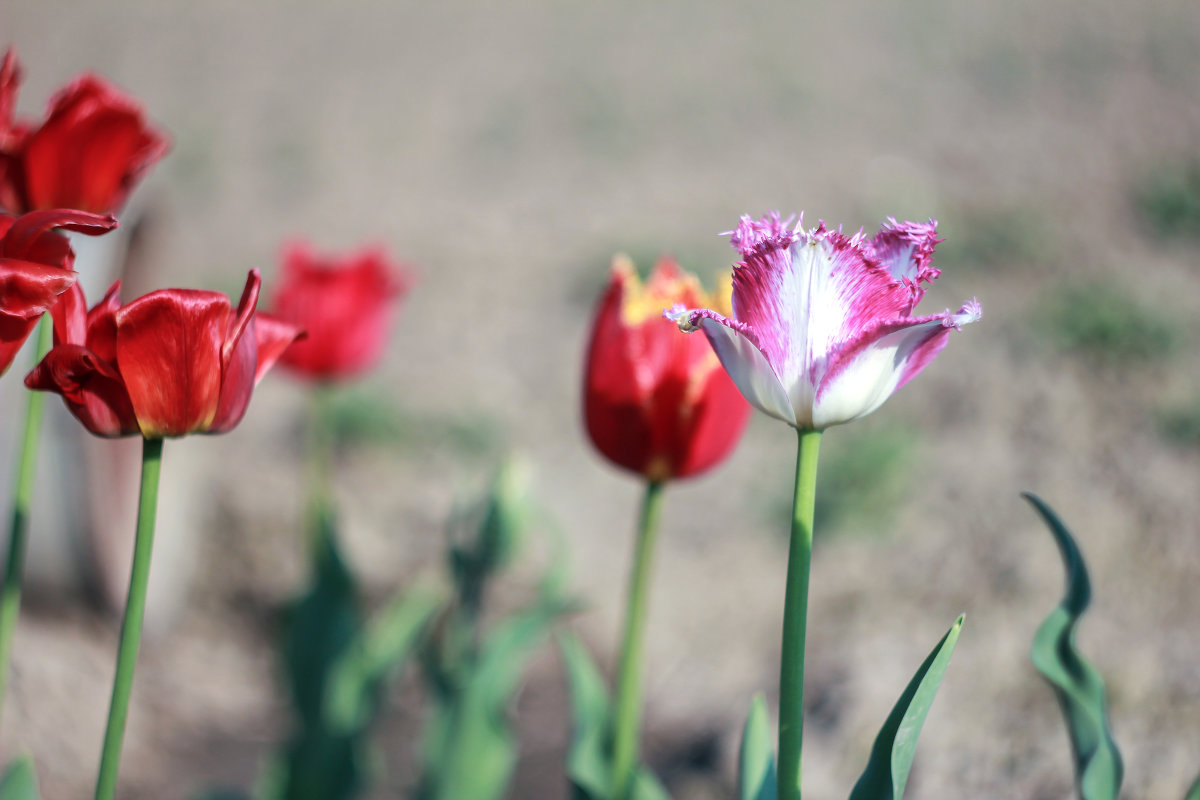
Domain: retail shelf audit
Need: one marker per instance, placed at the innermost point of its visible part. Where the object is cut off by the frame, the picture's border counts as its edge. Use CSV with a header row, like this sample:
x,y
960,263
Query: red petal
x,y
274,336
90,387
28,235
92,149
345,303
169,353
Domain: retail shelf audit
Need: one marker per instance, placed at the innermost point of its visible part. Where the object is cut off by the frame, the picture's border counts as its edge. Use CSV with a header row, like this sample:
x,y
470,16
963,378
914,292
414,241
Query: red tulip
x,y
89,153
173,362
35,268
343,303
654,402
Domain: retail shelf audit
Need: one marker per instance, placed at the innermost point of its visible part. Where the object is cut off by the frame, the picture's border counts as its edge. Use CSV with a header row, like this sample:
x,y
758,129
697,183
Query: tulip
x,y
822,331
173,362
344,304
89,153
35,268
657,403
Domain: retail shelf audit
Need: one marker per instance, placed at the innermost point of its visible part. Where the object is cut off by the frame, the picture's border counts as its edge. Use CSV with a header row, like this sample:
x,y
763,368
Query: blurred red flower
x,y
35,268
344,304
89,153
170,363
655,402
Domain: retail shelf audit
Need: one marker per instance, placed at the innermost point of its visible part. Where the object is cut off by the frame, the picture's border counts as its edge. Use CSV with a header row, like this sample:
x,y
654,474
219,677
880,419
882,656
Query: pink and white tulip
x,y
822,330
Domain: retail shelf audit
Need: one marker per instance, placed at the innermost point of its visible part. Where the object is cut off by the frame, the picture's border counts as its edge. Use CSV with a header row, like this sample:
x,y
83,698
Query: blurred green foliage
x,y
369,417
473,668
1167,201
1105,324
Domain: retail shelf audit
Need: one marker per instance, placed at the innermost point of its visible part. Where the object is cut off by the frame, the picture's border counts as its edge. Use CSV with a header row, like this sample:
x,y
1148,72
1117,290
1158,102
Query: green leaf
x,y
1194,792
357,679
470,747
320,626
756,760
19,781
589,759
647,787
892,754
1076,683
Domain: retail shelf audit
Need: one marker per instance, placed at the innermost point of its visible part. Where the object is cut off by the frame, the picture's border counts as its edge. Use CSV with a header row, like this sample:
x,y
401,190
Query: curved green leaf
x,y
357,678
19,781
756,759
892,754
589,762
1076,683
1194,792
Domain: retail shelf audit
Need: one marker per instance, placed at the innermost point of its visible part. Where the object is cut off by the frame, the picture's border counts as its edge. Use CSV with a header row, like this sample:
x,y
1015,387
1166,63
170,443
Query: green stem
x,y
795,617
131,628
18,533
627,717
320,473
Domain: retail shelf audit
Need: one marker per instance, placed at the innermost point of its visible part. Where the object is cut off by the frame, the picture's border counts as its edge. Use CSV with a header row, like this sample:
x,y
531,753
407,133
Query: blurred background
x,y
507,151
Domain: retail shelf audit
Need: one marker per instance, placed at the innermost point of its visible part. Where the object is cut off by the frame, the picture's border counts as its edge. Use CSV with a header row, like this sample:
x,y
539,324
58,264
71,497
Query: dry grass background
x,y
507,150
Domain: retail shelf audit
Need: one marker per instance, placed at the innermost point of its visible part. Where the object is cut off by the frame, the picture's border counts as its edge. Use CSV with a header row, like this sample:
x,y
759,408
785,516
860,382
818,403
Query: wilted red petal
x,y
27,289
90,387
10,84
169,353
27,235
92,149
274,336
239,357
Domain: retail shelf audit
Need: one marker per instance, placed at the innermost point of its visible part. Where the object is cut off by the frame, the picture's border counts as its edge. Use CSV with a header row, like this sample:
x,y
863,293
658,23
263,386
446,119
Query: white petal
x,y
749,369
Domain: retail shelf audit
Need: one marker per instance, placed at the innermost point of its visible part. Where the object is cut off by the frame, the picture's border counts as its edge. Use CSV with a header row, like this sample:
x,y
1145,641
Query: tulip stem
x,y
320,468
131,627
795,617
18,533
628,701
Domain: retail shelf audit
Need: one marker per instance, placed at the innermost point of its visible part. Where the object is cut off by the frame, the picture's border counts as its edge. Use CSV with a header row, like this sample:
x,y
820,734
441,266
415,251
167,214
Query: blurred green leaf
x,y
1076,683
222,794
647,787
19,781
756,759
357,679
589,759
1194,792
469,746
892,754
321,625
320,762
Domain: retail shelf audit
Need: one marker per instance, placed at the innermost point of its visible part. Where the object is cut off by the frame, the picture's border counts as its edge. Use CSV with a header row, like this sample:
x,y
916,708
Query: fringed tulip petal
x,y
822,331
871,369
169,346
746,364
